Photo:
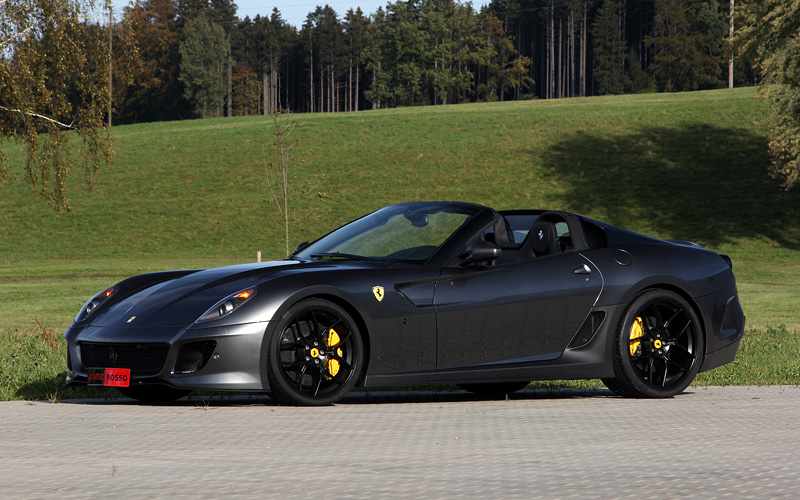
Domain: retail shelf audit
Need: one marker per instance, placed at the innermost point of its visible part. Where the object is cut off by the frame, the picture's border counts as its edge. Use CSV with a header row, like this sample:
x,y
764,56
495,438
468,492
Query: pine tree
x,y
204,60
355,26
330,40
375,56
155,93
687,40
609,49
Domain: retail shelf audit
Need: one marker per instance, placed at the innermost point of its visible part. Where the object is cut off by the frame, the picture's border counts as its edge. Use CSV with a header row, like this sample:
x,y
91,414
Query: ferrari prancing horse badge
x,y
378,292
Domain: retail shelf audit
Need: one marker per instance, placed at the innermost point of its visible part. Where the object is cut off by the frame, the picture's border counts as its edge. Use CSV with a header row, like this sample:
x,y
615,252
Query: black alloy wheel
x,y
316,354
658,348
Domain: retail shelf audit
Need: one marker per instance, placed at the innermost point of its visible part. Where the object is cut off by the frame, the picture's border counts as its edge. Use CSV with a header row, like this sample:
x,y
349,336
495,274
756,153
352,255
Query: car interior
x,y
528,234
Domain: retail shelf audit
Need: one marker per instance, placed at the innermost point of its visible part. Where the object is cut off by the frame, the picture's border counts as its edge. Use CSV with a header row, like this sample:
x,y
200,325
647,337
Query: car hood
x,y
181,301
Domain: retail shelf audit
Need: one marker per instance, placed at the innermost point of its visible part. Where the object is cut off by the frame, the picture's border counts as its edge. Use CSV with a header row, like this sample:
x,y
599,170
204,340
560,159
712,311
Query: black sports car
x,y
438,292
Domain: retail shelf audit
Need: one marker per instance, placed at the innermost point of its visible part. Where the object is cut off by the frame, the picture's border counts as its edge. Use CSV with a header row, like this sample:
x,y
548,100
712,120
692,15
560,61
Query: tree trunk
x,y
287,85
501,78
111,61
435,72
552,69
532,70
349,104
273,91
730,61
311,66
230,81
623,38
375,104
583,53
560,80
571,53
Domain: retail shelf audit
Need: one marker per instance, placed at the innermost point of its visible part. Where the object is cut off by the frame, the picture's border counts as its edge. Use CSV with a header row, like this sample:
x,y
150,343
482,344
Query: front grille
x,y
194,356
142,359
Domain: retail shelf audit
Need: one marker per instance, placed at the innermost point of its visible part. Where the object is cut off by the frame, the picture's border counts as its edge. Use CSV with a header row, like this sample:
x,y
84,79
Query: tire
x,y
154,393
658,348
495,388
315,354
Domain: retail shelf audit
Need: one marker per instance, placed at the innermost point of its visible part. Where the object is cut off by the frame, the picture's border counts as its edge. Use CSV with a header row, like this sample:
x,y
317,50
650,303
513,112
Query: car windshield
x,y
410,232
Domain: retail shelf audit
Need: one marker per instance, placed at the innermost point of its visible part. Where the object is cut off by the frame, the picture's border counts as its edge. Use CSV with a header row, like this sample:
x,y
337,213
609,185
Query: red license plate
x,y
110,377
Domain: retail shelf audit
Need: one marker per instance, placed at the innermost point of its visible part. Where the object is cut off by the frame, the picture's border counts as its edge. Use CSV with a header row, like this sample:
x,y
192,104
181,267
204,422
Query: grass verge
x,y
192,195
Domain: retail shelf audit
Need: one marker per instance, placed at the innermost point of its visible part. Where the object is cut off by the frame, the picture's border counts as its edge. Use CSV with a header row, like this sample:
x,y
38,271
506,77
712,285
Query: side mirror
x,y
480,251
301,246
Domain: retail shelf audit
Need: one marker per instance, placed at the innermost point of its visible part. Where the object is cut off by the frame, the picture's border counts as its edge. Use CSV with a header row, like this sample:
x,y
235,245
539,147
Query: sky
x,y
293,13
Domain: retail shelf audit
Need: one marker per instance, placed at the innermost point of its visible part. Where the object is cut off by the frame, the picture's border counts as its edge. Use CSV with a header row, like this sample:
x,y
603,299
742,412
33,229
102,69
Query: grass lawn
x,y
192,194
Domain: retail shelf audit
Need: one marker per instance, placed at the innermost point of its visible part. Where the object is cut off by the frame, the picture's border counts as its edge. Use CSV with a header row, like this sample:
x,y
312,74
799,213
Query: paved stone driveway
x,y
735,442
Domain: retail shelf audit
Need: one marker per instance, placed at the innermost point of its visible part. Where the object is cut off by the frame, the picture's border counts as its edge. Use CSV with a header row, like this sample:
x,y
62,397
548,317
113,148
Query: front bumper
x,y
220,358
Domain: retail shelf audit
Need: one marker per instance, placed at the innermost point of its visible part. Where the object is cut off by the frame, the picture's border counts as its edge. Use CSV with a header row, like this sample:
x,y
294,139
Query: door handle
x,y
584,269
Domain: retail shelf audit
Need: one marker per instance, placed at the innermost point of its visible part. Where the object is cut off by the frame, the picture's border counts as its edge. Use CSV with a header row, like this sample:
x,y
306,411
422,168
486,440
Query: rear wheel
x,y
315,355
154,393
494,388
658,348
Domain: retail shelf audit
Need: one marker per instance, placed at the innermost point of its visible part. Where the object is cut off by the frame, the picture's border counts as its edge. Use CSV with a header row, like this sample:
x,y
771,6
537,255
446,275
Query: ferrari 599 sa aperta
x,y
422,293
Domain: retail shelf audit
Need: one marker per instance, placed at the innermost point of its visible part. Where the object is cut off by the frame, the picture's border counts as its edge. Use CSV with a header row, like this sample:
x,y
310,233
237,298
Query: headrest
x,y
502,234
543,237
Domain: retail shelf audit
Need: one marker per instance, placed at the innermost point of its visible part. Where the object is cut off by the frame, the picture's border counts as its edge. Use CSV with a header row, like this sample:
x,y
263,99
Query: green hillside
x,y
193,194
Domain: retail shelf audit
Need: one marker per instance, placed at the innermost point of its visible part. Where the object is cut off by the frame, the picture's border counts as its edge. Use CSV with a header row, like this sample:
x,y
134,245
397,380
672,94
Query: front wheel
x,y
315,355
658,348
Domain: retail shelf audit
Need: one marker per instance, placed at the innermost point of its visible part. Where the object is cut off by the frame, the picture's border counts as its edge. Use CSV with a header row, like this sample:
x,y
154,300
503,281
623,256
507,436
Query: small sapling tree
x,y
284,193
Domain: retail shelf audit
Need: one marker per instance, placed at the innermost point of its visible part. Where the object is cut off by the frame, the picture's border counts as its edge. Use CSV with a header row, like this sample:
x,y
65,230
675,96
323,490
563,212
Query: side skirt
x,y
590,361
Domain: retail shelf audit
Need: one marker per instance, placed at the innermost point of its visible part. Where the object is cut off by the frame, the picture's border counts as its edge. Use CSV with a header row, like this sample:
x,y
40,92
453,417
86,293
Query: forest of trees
x,y
62,68
195,58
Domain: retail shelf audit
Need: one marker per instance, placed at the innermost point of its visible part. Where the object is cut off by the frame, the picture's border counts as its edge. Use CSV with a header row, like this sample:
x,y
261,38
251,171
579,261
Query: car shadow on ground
x,y
376,397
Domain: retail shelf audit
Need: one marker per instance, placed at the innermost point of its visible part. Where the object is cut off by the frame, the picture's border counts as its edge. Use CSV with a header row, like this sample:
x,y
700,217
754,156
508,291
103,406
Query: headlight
x,y
227,305
94,303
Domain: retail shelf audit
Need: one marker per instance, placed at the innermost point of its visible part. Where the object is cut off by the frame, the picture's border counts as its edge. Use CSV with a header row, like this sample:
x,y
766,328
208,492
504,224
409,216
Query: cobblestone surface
x,y
734,442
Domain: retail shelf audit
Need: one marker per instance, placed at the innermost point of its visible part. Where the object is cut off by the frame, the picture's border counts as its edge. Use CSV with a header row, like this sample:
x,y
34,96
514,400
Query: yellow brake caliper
x,y
637,332
333,364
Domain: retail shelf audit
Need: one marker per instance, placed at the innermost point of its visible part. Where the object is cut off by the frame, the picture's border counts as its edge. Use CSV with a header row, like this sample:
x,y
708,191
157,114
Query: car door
x,y
514,313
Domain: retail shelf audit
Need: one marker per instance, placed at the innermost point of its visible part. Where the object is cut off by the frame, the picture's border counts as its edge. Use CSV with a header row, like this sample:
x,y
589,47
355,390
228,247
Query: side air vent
x,y
587,330
194,356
